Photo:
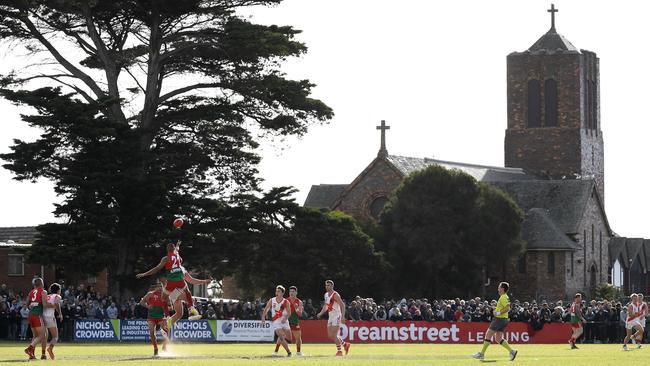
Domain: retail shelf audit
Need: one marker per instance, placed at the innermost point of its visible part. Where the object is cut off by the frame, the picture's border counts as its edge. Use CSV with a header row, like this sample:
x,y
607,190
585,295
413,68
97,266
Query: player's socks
x,y
188,296
486,344
298,348
505,345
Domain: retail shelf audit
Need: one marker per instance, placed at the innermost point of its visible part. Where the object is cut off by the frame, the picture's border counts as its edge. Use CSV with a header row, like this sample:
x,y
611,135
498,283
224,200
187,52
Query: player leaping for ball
x,y
279,307
176,288
157,309
336,317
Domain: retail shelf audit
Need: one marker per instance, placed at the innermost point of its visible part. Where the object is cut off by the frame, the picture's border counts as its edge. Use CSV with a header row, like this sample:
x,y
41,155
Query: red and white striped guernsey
x,y
331,305
280,309
635,310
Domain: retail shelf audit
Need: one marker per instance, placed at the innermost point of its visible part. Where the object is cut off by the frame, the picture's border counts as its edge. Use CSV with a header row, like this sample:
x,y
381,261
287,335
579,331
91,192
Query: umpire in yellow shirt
x,y
499,324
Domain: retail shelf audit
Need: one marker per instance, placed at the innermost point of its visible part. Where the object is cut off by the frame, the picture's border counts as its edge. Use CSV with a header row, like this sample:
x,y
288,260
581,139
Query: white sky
x,y
436,72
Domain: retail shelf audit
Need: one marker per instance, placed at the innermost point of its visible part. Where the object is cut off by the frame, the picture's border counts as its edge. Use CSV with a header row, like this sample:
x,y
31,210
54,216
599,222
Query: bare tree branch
x,y
62,60
185,89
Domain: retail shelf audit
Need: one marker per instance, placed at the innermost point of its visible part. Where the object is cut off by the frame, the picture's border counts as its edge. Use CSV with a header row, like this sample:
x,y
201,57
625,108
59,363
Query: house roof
x,y
18,234
407,165
541,233
324,195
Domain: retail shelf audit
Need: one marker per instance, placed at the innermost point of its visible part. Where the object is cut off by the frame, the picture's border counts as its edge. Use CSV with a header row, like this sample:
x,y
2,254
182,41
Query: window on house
x,y
16,266
551,263
550,103
534,104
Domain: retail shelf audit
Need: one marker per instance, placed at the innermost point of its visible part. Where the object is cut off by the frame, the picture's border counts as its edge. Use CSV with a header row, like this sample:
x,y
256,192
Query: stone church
x,y
554,170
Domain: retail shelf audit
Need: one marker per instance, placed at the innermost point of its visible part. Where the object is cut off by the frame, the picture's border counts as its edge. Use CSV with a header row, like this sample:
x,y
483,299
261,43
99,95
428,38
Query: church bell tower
x,y
553,111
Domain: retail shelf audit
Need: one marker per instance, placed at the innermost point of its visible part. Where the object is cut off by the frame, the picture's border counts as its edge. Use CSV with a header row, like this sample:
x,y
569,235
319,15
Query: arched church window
x,y
377,205
521,264
550,103
534,104
594,106
551,263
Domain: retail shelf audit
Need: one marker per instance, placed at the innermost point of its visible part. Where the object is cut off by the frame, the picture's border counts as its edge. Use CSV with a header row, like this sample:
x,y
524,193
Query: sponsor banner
x,y
315,331
96,330
244,331
136,330
195,331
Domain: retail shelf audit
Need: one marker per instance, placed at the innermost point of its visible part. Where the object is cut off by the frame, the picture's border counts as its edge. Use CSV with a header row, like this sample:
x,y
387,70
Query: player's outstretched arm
x,y
194,281
155,269
143,300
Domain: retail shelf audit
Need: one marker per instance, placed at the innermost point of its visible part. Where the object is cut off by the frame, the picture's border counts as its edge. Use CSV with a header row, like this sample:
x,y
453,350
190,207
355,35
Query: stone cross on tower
x,y
383,128
552,10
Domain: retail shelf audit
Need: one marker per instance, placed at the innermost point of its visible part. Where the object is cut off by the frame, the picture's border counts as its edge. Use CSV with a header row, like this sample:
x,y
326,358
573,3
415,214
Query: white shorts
x,y
50,322
277,324
174,295
630,324
334,319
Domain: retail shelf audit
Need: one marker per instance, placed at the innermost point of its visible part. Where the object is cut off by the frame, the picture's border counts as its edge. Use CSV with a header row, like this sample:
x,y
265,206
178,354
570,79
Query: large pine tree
x,y
149,109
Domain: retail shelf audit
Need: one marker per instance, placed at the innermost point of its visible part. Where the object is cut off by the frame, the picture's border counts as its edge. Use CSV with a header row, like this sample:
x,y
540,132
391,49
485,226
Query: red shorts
x,y
295,327
577,325
173,285
35,321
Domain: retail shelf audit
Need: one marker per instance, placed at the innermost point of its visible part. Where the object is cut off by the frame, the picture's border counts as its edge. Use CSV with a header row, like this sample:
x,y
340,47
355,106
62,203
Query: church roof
x,y
564,200
324,195
552,42
18,234
407,165
629,250
540,232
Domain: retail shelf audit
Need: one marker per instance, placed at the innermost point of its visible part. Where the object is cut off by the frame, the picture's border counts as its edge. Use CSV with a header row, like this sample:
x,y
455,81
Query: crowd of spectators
x,y
605,319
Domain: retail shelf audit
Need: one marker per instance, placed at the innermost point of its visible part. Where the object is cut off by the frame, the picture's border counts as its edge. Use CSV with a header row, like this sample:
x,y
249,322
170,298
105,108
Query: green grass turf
x,y
321,354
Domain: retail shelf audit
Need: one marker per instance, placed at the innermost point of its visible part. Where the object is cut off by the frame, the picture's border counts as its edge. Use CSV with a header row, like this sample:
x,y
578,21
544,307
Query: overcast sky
x,y
436,72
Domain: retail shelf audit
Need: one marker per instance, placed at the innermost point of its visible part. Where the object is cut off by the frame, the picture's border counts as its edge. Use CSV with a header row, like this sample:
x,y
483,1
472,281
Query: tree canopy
x,y
148,110
443,232
310,247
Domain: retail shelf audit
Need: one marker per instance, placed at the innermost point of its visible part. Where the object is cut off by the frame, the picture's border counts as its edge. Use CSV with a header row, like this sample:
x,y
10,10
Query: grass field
x,y
320,354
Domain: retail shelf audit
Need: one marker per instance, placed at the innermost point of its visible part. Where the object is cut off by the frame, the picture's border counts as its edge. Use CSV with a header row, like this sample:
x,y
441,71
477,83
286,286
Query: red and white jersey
x,y
643,308
632,310
52,299
280,309
331,305
573,308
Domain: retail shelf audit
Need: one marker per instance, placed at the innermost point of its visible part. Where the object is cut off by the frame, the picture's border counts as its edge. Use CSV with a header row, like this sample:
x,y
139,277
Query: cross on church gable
x,y
383,127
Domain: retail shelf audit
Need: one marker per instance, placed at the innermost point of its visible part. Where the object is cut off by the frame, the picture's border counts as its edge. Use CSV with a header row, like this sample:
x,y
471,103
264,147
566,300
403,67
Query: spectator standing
x,y
111,311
